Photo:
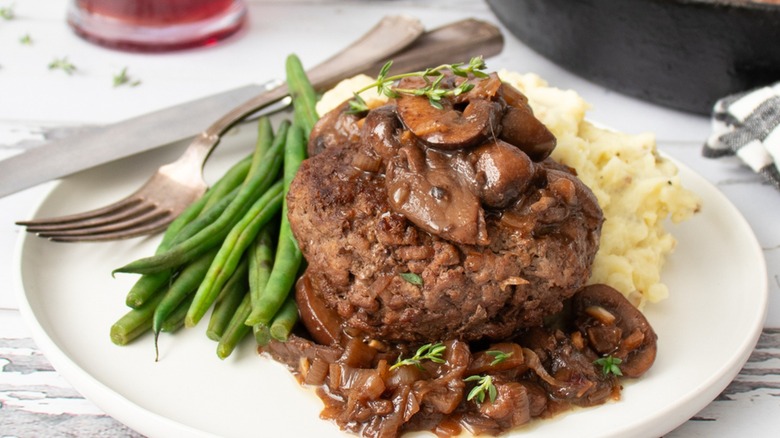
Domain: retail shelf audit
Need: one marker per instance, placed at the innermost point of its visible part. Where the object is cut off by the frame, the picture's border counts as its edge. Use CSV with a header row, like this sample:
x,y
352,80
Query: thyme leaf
x,y
609,365
412,278
62,64
498,356
122,78
7,12
484,386
432,352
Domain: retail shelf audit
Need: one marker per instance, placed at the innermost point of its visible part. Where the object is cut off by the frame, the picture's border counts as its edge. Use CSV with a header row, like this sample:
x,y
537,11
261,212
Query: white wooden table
x,y
37,104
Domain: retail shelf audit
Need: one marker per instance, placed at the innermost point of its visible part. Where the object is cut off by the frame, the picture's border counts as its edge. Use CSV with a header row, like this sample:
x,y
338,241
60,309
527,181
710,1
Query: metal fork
x,y
175,185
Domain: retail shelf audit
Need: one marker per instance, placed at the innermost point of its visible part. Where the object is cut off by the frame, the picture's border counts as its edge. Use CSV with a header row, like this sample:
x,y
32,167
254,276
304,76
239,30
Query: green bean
x,y
205,219
175,320
261,261
214,209
275,296
294,154
227,302
233,247
155,280
233,178
151,283
285,319
135,322
262,334
215,232
236,329
260,213
146,286
288,255
265,138
183,286
186,284
239,173
188,215
303,95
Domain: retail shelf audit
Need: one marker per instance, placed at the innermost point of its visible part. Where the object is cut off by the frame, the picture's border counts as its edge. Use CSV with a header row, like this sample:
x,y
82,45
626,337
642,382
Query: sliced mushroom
x,y
448,128
484,88
503,172
636,345
323,324
381,131
336,127
521,128
434,198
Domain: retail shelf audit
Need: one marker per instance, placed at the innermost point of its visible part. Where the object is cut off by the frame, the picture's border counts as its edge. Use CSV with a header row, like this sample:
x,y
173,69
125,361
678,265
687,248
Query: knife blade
x,y
104,144
457,41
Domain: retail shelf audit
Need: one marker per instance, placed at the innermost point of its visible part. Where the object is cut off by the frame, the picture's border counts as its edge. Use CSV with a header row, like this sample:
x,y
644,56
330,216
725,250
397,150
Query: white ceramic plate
x,y
706,329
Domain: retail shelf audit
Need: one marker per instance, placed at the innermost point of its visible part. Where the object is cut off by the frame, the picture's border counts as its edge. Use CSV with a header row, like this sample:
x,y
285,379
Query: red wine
x,y
156,12
156,25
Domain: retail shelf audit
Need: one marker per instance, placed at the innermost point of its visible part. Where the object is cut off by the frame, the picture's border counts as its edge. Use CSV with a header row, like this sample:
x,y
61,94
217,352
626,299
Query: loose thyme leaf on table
x,y
7,12
432,90
432,352
62,64
26,39
123,79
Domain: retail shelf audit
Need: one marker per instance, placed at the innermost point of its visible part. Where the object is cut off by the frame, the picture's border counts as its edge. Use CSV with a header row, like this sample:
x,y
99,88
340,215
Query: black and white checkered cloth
x,y
748,125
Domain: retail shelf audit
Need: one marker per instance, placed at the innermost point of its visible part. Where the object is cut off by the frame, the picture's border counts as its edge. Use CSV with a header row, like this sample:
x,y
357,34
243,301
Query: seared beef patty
x,y
409,240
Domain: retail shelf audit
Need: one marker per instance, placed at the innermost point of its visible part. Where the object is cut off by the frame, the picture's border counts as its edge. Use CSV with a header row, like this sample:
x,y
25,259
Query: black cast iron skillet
x,y
684,54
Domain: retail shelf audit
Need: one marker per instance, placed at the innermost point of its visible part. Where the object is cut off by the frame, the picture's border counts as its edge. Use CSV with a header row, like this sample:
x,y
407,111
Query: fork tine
x,y
85,216
147,224
136,210
111,226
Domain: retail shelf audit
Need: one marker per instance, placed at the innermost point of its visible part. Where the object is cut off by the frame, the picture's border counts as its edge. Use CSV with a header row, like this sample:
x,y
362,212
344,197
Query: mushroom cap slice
x,y
448,128
636,343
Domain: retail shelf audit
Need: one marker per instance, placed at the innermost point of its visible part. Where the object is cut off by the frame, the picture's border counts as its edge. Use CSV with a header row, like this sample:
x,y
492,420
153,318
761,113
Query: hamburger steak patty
x,y
484,281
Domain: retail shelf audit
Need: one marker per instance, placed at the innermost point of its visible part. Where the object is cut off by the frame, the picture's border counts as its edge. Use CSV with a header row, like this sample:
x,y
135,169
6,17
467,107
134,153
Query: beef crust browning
x,y
538,250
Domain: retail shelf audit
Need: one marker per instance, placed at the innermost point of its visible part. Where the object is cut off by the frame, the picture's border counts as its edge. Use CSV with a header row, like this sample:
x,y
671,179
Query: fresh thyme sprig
x,y
484,385
609,365
432,89
123,78
62,64
432,352
498,356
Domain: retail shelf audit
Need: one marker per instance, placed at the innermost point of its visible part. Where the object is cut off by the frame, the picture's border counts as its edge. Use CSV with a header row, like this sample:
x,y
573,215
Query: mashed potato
x,y
638,190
